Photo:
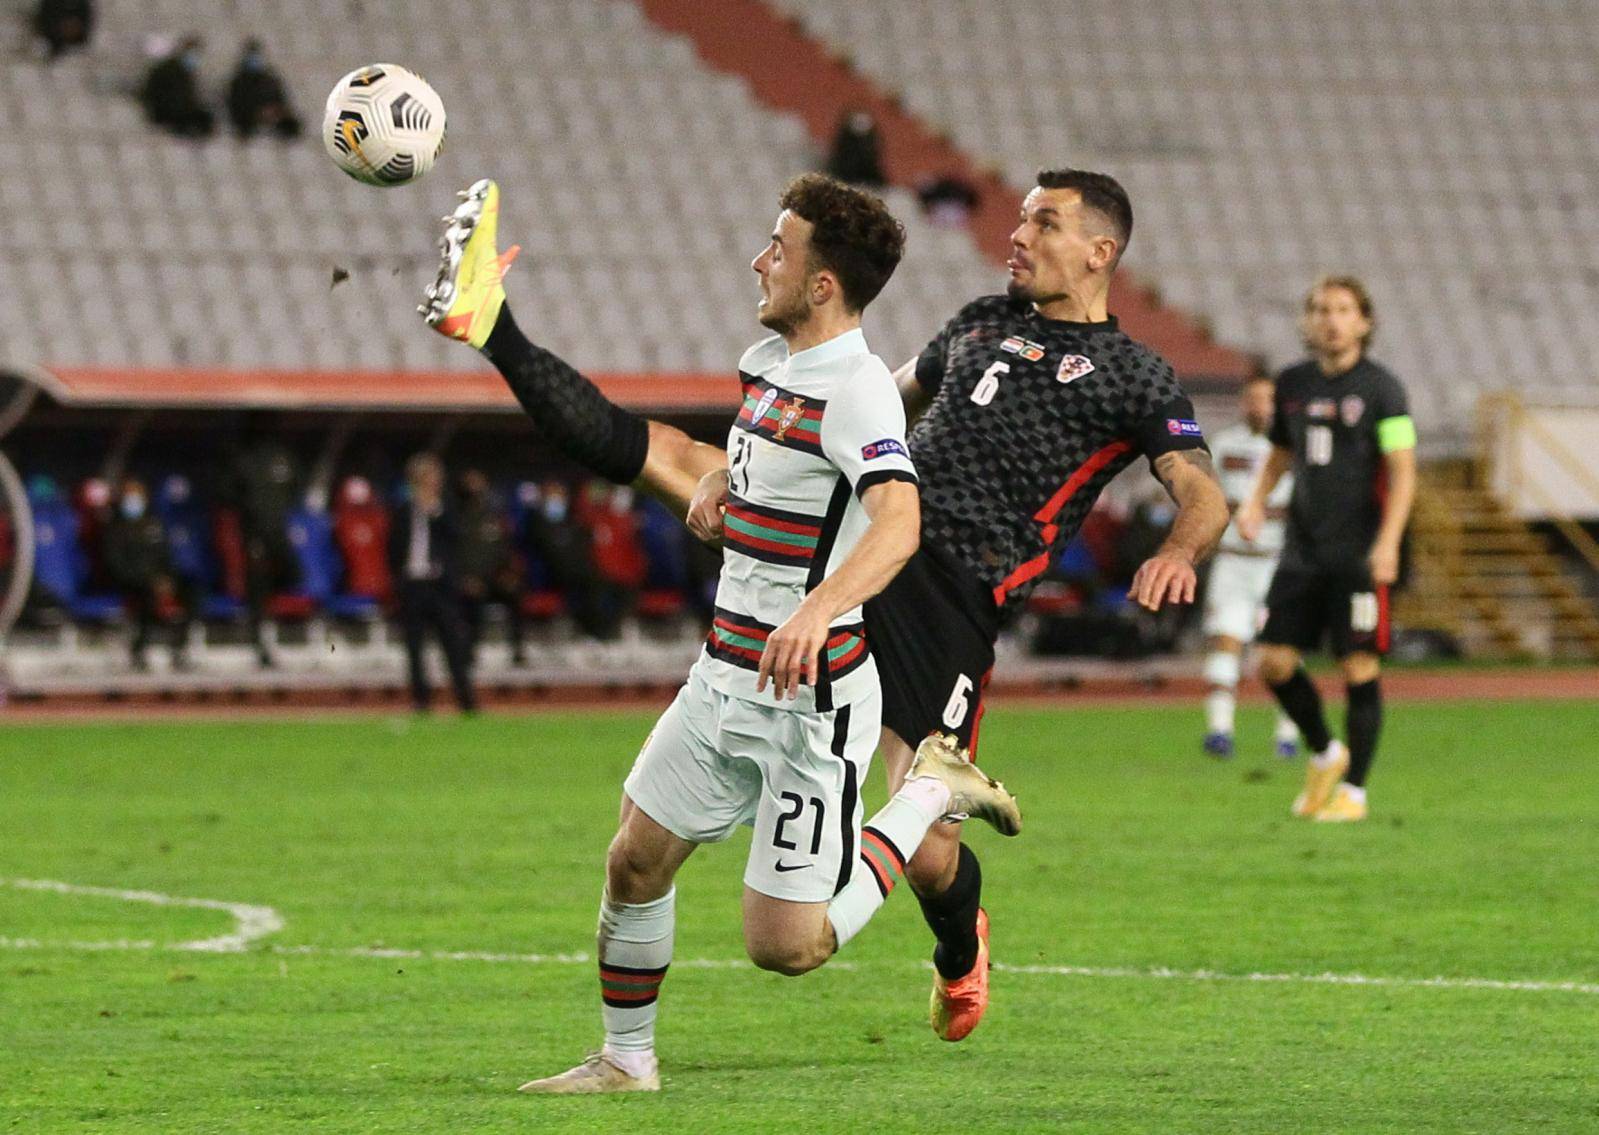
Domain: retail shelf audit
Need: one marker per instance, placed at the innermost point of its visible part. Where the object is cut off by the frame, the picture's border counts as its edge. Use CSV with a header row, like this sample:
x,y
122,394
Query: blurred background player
x,y
1235,595
1342,425
422,555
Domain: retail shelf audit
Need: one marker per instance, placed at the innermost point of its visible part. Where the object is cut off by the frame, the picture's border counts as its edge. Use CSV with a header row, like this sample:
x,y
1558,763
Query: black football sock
x,y
1302,704
1364,722
569,409
952,916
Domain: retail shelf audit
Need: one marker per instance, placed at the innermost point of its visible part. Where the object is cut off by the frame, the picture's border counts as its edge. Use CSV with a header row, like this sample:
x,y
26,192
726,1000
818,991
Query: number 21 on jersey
x,y
988,386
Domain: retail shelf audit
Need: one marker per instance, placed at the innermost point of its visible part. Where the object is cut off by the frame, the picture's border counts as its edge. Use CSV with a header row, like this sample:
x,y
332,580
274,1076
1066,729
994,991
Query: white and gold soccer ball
x,y
384,125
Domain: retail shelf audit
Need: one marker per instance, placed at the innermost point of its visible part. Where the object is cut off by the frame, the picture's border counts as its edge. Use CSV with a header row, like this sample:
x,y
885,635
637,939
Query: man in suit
x,y
422,553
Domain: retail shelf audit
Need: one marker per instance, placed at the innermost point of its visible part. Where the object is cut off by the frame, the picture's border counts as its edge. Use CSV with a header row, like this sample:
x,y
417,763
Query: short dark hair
x,y
853,235
1100,192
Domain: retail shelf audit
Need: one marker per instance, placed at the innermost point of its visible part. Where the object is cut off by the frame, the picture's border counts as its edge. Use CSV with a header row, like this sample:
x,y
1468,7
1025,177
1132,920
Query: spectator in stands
x,y
171,93
948,200
856,156
141,568
489,570
264,489
64,24
423,546
562,543
361,529
619,562
93,506
258,100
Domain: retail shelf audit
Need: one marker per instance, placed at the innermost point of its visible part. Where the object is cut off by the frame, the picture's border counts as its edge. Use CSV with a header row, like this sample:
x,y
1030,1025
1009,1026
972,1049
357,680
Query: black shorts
x,y
1307,604
932,632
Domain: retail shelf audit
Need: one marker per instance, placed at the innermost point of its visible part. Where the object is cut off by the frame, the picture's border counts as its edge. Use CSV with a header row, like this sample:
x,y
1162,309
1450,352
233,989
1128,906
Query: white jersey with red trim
x,y
815,431
1239,453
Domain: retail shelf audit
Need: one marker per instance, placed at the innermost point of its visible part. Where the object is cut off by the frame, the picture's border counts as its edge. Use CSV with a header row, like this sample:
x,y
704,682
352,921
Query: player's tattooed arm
x,y
1169,575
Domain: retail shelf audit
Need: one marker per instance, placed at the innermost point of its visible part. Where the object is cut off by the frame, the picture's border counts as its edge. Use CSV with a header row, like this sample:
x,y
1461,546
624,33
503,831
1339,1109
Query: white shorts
x,y
1235,599
715,761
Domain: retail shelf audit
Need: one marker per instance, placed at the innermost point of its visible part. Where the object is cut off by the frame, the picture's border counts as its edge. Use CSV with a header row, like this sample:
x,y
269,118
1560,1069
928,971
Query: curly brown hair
x,y
853,234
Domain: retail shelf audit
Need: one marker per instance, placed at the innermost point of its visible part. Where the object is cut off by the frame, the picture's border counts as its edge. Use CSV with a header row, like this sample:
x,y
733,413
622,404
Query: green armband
x,y
1396,433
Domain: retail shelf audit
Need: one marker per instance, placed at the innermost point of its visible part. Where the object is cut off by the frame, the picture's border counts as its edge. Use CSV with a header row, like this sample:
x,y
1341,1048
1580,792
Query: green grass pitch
x,y
1143,863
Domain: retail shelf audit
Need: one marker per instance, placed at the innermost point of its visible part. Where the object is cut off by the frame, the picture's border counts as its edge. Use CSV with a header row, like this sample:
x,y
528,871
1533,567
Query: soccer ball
x,y
384,125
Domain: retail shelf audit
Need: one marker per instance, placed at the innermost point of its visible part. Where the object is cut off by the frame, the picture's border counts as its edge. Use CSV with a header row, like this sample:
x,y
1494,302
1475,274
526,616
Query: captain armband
x,y
1396,433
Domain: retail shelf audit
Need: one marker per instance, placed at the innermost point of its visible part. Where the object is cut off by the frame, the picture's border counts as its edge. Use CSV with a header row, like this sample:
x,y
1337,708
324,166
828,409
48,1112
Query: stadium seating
x,y
639,182
1442,149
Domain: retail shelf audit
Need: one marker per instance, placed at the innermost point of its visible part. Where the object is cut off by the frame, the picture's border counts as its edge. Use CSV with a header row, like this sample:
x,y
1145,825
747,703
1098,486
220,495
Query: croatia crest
x,y
1351,409
1073,367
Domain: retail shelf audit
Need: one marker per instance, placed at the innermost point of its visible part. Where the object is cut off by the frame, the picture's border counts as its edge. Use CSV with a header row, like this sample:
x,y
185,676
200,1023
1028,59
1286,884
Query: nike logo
x,y
781,866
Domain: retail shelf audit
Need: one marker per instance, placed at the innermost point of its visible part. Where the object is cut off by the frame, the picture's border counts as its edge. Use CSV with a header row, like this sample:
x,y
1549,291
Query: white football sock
x,y
1330,755
1221,671
1286,729
635,948
888,839
1355,791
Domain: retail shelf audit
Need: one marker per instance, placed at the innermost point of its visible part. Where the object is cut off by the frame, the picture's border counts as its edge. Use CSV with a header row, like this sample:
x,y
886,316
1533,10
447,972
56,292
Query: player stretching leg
x,y
1342,427
1030,403
824,511
1235,596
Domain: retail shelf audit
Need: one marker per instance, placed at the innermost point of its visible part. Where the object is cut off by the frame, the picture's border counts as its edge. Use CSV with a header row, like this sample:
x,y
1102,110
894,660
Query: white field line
x,y
250,922
256,922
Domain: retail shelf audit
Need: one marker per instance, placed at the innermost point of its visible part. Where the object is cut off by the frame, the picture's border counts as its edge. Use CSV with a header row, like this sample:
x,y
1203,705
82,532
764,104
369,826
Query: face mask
x,y
555,510
191,60
133,507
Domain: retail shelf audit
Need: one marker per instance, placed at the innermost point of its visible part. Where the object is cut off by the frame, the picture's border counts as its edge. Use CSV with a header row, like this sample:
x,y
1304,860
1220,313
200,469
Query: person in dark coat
x,y
857,156
140,565
64,24
264,488
424,543
561,541
488,566
258,100
171,93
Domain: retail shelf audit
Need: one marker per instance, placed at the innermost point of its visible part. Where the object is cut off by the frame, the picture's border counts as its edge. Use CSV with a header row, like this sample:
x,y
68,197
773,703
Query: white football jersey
x,y
1238,455
816,430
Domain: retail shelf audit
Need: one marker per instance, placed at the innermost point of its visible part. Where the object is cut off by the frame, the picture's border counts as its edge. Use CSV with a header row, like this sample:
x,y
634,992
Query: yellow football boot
x,y
1343,808
465,300
1321,777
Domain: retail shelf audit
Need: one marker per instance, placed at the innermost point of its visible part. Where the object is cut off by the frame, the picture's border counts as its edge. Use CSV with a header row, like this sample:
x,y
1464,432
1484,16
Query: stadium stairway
x,y
1486,578
790,70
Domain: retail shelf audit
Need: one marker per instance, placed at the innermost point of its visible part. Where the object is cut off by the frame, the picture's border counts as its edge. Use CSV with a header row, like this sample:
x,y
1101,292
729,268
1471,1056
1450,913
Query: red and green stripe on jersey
x,y
741,640
771,535
630,987
781,416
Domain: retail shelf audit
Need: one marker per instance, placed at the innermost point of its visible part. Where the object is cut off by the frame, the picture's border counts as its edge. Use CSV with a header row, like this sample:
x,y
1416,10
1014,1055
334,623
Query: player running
x,y
1341,425
1029,403
823,511
1235,596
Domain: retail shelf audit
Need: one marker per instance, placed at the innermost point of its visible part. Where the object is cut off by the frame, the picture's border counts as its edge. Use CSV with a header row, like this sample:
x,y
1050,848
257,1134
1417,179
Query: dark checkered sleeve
x,y
1165,419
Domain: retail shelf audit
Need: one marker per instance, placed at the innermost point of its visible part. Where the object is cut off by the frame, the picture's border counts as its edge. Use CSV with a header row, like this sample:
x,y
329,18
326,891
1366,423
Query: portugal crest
x,y
789,416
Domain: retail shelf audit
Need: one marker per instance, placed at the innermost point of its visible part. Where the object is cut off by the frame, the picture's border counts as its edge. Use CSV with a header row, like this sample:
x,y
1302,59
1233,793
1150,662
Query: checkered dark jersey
x,y
1031,418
